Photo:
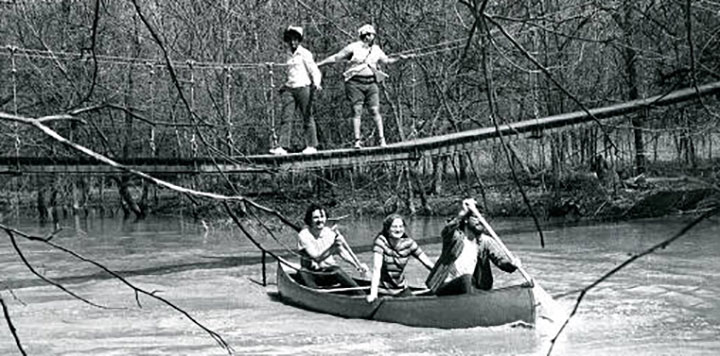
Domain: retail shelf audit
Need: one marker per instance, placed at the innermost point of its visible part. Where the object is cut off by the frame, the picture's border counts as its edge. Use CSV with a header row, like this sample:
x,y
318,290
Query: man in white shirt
x,y
318,243
464,263
361,78
296,93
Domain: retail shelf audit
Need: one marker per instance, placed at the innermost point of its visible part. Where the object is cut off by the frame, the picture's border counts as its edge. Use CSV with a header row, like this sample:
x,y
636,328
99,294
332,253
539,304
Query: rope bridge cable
x,y
193,139
228,110
16,129
151,83
191,66
273,129
84,55
139,61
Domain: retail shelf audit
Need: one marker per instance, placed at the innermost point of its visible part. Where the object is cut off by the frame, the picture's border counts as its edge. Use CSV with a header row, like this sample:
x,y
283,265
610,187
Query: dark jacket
x,y
452,246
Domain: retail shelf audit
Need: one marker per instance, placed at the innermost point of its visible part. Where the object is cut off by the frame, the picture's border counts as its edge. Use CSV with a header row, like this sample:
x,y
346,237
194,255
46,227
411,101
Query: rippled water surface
x,y
667,303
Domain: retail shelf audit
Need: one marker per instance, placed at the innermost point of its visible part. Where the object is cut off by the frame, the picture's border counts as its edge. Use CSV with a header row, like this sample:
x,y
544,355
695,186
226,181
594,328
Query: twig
x,y
93,41
138,291
619,267
506,147
11,233
13,331
549,75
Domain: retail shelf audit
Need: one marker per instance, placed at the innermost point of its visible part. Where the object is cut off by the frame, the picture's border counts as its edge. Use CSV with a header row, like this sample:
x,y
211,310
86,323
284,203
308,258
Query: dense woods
x,y
201,78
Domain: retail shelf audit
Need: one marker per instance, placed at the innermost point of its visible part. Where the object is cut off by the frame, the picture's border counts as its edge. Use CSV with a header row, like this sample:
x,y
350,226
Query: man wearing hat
x,y
296,93
361,78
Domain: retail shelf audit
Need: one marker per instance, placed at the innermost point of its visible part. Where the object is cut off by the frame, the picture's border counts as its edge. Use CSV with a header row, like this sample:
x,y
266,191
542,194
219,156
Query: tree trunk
x,y
630,58
129,204
438,164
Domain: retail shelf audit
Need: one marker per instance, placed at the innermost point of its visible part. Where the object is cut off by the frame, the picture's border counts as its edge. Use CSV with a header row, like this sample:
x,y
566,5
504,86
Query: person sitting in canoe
x,y
318,243
392,250
464,263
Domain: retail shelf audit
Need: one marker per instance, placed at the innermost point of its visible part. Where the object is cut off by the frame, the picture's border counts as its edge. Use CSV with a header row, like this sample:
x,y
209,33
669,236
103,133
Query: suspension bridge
x,y
337,158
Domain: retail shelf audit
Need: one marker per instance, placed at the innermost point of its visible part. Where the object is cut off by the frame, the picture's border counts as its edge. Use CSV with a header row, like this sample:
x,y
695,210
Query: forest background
x,y
184,79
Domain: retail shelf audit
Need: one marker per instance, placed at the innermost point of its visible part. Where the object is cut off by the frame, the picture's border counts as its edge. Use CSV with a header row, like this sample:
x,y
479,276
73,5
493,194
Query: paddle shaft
x,y
346,289
347,247
504,248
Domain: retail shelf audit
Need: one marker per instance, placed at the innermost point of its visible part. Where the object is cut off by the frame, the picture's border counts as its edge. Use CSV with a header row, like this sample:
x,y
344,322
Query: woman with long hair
x,y
392,250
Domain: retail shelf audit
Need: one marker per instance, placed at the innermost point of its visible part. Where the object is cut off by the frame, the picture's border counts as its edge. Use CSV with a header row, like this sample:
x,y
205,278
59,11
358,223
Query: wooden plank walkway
x,y
401,151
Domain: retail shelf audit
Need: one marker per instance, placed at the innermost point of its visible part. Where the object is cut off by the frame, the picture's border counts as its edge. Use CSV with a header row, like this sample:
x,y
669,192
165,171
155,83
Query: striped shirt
x,y
396,253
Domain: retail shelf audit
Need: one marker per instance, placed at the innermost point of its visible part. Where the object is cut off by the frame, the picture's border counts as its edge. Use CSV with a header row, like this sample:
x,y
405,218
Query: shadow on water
x,y
275,297
217,263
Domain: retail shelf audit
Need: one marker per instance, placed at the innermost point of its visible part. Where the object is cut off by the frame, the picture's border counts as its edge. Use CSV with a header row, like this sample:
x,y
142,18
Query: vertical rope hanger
x,y
413,100
16,130
228,110
151,83
193,138
272,105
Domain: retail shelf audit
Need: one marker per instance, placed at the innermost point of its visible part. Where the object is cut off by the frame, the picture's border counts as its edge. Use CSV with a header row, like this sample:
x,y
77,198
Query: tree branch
x,y
138,291
619,267
11,326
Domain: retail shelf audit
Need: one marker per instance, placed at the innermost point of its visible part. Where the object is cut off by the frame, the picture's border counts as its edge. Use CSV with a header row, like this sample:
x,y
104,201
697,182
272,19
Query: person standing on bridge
x,y
362,77
303,77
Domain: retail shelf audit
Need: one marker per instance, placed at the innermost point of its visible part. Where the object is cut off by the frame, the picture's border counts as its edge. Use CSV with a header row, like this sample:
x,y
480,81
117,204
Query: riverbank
x,y
577,196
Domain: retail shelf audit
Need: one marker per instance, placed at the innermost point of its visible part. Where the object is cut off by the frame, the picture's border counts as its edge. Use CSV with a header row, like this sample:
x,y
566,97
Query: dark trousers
x,y
459,285
326,277
297,99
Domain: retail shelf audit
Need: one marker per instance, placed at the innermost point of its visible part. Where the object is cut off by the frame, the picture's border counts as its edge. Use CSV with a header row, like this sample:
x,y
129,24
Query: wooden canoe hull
x,y
485,308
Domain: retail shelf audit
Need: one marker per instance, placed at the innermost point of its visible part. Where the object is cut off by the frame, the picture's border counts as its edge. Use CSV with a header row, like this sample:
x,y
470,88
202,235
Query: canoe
x,y
484,308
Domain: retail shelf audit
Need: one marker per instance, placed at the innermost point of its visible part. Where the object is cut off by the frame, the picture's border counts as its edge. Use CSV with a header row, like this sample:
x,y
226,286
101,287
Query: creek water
x,y
667,303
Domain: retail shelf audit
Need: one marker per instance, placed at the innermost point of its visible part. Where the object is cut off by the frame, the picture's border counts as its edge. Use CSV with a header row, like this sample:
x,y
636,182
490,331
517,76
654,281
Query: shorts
x,y
360,90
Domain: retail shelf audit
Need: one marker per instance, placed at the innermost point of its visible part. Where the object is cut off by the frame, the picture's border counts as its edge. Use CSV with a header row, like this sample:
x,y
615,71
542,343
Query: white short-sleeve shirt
x,y
315,246
362,57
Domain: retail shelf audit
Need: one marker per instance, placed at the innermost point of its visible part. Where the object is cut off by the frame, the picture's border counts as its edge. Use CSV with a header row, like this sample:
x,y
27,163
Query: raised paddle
x,y
550,309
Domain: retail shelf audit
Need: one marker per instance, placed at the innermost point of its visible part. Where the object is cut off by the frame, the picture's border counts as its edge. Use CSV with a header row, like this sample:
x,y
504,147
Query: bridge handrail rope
x,y
8,50
193,138
418,51
228,110
15,126
192,65
413,100
273,129
151,83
